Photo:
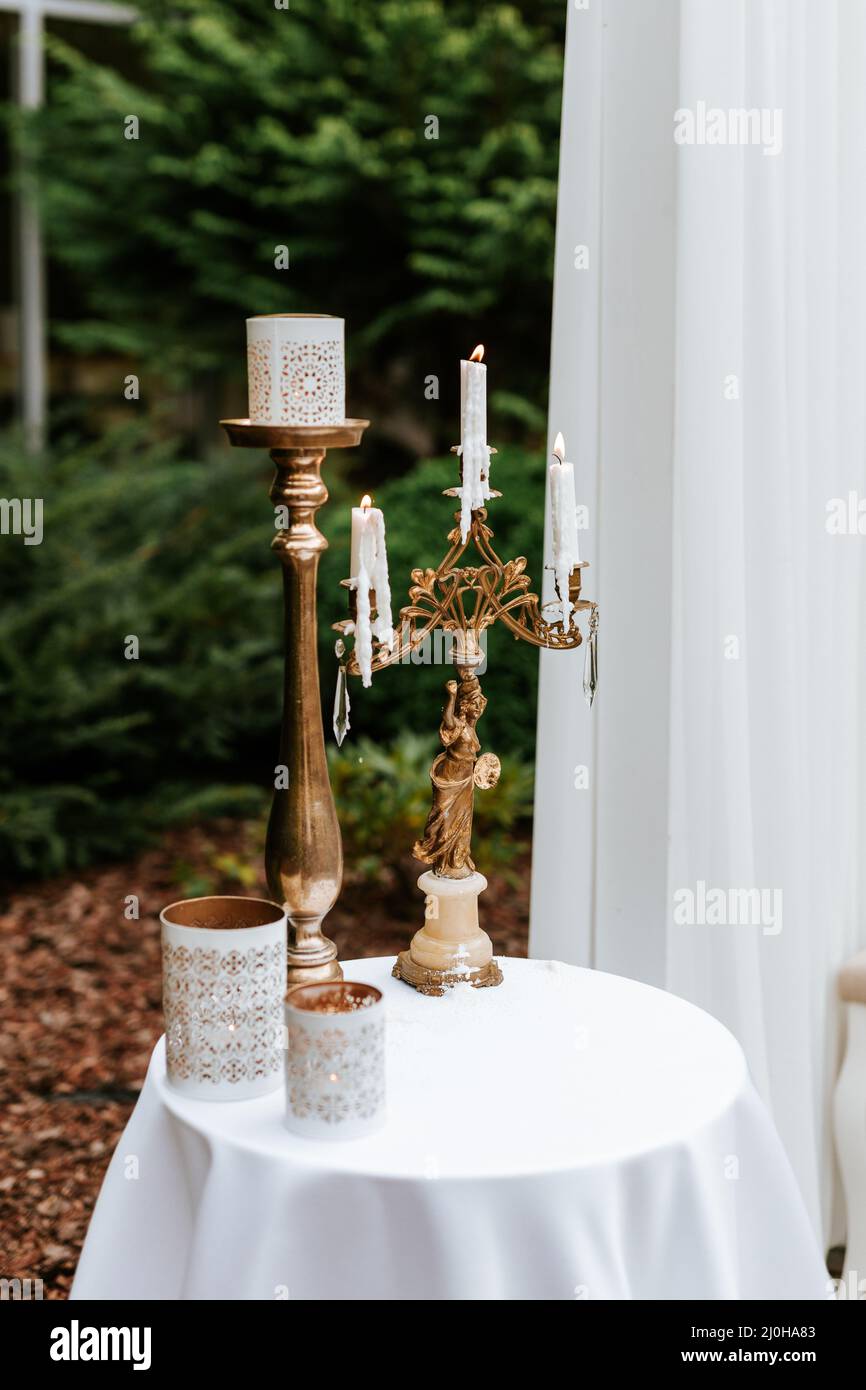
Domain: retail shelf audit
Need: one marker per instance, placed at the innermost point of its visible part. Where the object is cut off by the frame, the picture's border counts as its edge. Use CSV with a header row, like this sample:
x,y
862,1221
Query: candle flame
x,y
559,448
478,353
366,502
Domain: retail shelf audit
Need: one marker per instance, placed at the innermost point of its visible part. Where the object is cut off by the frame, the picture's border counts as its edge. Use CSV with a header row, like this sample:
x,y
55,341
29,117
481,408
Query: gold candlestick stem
x,y
303,853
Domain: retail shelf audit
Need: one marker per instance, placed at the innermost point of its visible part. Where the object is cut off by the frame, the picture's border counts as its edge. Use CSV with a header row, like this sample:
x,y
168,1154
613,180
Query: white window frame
x,y
30,90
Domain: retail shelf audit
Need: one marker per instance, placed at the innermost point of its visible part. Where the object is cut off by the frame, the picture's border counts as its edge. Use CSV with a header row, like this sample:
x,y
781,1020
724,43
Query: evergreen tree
x,y
403,151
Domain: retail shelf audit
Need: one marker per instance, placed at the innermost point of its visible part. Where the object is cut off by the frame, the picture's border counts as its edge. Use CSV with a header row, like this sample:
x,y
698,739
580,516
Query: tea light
x,y
335,1062
296,369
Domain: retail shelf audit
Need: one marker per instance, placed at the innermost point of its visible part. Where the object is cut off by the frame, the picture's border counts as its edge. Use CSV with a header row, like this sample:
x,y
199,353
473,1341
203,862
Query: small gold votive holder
x,y
335,1060
223,985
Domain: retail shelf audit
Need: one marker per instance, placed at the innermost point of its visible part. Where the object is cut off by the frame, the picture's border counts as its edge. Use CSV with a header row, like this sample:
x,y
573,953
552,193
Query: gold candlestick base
x,y
436,982
303,854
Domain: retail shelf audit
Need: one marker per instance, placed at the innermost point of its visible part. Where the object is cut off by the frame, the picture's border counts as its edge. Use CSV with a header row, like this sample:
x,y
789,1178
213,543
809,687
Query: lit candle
x,y
369,570
474,450
564,515
359,526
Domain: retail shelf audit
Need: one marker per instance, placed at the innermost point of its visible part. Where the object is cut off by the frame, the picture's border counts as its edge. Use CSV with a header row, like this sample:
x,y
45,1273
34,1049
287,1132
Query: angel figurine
x,y
455,774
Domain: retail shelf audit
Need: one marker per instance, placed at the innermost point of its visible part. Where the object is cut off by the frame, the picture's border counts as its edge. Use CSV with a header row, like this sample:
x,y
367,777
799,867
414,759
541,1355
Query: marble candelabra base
x,y
451,947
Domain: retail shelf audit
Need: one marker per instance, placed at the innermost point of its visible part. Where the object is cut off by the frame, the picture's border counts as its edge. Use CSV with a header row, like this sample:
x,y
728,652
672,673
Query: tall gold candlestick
x,y
303,854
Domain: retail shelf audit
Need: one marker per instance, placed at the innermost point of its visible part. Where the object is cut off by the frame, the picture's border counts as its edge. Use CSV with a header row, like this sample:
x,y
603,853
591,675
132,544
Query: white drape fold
x,y
766,650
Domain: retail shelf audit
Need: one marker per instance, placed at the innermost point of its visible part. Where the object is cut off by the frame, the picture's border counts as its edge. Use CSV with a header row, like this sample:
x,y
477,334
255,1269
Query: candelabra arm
x,y
500,590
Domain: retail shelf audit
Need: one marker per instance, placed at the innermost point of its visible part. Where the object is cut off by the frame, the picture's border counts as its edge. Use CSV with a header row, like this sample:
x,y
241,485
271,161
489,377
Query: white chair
x,y
850,1118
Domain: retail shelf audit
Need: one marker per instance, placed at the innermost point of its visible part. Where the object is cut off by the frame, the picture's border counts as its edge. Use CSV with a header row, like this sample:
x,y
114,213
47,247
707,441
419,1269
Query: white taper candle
x,y
369,570
474,451
566,553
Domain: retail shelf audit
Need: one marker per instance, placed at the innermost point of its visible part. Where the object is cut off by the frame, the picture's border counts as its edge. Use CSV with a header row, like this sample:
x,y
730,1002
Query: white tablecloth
x,y
568,1135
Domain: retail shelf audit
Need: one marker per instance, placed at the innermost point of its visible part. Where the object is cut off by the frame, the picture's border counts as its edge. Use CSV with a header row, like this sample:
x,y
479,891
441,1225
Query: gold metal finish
x,y
245,435
435,982
303,854
448,833
335,997
222,913
467,600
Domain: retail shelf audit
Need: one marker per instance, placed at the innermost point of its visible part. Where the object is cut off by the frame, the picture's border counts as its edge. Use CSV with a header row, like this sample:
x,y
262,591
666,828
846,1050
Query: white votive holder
x,y
223,986
296,369
335,1061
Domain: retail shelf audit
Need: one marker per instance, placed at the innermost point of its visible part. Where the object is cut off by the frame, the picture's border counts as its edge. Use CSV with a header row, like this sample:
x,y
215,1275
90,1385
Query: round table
x,y
568,1135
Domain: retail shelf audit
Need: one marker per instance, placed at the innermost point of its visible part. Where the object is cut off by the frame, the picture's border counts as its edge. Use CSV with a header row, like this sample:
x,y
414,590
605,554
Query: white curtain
x,y
762,658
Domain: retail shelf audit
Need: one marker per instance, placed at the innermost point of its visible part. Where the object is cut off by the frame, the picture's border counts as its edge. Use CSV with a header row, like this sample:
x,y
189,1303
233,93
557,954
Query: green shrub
x,y
309,128
97,751
382,793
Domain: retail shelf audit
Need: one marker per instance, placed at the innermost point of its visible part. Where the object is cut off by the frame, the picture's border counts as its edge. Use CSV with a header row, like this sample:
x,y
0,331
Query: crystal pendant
x,y
341,698
590,663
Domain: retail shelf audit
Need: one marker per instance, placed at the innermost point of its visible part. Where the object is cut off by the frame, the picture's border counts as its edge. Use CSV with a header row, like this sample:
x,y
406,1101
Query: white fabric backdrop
x,y
756,771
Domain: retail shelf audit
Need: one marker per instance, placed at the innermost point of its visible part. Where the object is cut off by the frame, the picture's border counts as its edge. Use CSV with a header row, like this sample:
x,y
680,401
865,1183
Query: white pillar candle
x,y
563,504
369,570
474,450
296,369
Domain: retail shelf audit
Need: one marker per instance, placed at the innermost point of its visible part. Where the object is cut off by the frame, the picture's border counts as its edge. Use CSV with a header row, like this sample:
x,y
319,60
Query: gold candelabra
x,y
303,854
466,600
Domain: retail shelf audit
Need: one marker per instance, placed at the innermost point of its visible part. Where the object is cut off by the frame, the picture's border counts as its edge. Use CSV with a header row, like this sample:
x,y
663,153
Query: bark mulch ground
x,y
80,996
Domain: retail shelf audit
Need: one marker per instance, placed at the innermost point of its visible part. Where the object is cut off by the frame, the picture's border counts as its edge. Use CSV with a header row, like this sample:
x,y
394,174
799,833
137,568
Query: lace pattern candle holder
x,y
335,1062
224,974
296,369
